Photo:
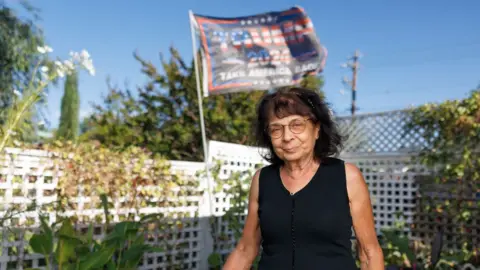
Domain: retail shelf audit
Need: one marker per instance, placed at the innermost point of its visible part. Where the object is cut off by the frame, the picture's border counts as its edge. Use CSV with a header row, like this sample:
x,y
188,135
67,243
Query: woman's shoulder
x,y
331,161
351,170
267,169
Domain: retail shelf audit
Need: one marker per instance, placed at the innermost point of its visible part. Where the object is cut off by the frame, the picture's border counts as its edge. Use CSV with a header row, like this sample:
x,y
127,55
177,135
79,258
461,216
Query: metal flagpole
x,y
202,123
199,93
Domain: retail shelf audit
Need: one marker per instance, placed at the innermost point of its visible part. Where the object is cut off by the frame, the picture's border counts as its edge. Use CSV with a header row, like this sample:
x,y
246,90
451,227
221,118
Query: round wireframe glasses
x,y
296,126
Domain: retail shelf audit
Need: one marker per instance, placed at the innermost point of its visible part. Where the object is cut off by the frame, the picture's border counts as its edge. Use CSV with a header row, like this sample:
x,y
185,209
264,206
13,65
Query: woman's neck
x,y
301,167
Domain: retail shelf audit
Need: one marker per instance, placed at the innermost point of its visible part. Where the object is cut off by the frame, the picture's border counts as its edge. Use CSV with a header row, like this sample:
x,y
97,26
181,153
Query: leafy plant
x,y
451,132
66,248
400,252
92,177
132,179
397,248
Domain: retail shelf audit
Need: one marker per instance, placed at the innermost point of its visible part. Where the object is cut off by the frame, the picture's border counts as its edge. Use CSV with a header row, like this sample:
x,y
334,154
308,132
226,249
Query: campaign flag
x,y
257,52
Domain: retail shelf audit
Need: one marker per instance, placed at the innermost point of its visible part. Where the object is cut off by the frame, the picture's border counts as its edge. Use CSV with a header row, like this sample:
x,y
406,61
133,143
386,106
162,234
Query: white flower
x,y
44,69
44,72
68,64
45,49
60,72
85,61
17,93
89,67
84,54
81,59
63,68
73,55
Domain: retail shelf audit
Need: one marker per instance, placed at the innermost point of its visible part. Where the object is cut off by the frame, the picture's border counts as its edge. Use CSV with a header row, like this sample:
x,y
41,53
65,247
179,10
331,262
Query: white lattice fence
x,y
30,175
391,182
380,133
191,236
377,146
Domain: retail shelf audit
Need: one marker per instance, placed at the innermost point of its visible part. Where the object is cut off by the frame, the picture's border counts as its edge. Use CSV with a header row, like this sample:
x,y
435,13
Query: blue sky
x,y
413,51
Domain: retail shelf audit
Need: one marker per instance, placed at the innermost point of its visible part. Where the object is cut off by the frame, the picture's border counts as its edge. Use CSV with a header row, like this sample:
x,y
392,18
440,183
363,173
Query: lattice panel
x,y
390,176
30,175
379,133
235,157
392,186
26,178
188,241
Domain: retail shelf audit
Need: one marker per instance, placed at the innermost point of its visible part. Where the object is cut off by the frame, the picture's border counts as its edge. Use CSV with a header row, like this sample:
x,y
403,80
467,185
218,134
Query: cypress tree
x,y
69,117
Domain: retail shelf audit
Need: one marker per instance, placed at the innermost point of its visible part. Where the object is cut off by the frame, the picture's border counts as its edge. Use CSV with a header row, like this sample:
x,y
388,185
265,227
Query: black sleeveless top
x,y
311,229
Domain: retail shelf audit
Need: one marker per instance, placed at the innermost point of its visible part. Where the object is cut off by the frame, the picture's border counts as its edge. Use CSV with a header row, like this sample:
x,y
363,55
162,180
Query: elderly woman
x,y
302,207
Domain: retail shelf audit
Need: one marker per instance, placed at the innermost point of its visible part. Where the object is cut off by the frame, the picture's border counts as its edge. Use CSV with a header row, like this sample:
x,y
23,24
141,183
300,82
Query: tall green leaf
x,y
42,244
96,259
67,242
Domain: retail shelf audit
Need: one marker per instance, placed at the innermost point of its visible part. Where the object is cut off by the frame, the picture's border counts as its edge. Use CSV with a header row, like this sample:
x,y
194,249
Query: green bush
x,y
66,248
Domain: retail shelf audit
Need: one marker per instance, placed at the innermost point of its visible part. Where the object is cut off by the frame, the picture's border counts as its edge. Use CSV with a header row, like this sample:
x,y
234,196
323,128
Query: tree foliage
x,y
164,117
115,122
69,117
19,40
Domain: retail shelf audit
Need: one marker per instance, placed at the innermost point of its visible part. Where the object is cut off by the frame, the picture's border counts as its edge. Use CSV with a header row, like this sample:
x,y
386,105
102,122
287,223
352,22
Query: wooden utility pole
x,y
353,65
354,80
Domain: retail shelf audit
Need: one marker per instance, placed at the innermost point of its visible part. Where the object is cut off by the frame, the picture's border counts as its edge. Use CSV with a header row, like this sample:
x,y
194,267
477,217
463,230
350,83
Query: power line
x,y
436,47
430,59
379,109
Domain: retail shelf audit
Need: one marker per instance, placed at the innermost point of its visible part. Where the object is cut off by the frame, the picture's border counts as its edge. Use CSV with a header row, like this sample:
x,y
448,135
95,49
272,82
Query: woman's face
x,y
293,137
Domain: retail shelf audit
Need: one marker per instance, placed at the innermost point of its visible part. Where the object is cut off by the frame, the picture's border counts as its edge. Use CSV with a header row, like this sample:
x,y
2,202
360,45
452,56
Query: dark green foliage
x,y
69,118
122,248
165,116
19,40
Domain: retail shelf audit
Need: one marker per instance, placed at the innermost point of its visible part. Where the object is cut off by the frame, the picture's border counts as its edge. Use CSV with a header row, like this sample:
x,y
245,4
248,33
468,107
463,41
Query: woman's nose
x,y
287,134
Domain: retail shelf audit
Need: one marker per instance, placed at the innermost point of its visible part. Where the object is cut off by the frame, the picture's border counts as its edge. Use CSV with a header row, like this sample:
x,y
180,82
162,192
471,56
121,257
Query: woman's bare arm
x,y
371,254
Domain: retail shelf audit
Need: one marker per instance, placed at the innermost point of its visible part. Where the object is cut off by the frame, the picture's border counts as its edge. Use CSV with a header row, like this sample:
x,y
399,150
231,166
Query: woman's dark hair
x,y
297,101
